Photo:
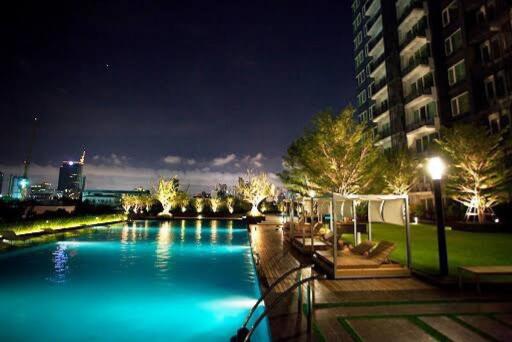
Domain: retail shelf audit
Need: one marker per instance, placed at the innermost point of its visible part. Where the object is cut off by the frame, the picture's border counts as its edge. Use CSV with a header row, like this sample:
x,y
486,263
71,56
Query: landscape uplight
x,y
436,168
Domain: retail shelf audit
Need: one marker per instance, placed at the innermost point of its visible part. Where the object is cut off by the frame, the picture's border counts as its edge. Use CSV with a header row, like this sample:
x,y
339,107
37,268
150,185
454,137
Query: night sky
x,y
203,89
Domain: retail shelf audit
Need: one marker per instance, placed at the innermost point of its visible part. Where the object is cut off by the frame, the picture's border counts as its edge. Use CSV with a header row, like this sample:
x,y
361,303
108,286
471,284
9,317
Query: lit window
x,y
453,43
460,104
457,73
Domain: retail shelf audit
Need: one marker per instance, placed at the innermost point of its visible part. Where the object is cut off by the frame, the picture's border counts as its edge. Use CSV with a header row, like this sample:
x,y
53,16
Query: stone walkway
x,y
400,309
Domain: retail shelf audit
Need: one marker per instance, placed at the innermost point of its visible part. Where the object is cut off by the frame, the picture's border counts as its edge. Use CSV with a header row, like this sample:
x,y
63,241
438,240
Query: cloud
x,y
191,161
125,177
172,160
221,161
256,161
112,159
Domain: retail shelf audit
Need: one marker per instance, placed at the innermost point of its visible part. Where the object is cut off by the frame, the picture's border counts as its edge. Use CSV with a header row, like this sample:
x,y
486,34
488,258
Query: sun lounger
x,y
376,257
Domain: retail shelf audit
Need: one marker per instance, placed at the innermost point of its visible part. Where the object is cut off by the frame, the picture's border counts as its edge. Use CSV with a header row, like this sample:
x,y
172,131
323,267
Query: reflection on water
x,y
214,224
199,225
182,233
164,240
60,262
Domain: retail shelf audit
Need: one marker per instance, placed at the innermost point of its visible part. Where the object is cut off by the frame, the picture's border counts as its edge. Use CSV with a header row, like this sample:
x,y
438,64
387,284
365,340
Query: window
x,y
359,59
361,98
494,123
358,40
457,73
490,88
501,84
370,90
357,22
460,104
450,13
361,77
485,51
453,43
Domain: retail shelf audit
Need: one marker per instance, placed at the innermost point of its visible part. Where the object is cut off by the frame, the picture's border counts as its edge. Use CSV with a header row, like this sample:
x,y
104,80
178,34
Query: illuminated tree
x,y
199,204
166,193
336,154
230,204
215,203
477,174
255,189
126,203
147,201
401,171
182,201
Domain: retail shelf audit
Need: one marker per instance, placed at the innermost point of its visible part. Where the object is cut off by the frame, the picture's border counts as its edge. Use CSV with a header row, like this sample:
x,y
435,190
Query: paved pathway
x,y
401,309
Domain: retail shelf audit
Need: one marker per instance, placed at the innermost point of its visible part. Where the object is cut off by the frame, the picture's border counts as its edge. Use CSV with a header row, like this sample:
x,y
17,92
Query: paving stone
x,y
451,329
489,326
389,329
332,330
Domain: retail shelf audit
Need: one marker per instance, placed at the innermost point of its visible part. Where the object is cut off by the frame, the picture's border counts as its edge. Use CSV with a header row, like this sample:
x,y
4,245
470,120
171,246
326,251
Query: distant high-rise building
x,y
71,179
18,185
42,192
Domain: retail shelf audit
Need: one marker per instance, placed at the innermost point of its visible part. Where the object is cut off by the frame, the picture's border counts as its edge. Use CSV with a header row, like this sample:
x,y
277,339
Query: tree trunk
x,y
481,215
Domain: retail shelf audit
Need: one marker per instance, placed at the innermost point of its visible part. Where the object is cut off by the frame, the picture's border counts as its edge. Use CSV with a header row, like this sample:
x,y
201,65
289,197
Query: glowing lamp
x,y
311,193
436,168
23,183
70,163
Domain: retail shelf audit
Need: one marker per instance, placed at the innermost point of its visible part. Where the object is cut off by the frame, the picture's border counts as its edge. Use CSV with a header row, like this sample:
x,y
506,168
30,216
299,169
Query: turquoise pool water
x,y
148,280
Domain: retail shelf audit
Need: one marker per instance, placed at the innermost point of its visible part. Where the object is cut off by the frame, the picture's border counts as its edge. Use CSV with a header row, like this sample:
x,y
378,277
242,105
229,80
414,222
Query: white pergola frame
x,y
335,198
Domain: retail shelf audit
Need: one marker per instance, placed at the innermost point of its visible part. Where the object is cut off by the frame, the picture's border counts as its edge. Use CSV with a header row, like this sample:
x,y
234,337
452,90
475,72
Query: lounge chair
x,y
376,257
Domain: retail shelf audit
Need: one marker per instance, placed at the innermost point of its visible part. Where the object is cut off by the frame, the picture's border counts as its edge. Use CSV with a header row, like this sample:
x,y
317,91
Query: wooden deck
x,y
336,299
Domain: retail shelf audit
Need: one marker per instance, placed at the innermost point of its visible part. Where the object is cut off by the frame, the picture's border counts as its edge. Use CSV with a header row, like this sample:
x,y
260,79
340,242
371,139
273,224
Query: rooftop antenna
x,y
82,158
32,140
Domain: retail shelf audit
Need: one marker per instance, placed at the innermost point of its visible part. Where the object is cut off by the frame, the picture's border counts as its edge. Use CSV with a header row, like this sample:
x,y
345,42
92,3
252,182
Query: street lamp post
x,y
436,168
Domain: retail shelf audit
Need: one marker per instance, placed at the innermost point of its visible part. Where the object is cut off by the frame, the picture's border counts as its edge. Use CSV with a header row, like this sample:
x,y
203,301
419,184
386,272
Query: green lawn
x,y
464,249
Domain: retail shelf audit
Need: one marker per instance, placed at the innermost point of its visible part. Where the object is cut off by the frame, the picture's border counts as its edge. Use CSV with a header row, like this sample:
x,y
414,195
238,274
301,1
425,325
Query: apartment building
x,y
425,64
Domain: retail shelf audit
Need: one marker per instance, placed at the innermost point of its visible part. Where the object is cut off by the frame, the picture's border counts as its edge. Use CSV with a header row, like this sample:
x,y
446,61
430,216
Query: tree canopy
x,y
335,154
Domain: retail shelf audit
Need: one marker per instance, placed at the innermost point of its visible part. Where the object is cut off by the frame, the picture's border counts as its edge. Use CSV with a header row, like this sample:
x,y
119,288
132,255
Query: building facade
x,y
425,64
111,198
71,179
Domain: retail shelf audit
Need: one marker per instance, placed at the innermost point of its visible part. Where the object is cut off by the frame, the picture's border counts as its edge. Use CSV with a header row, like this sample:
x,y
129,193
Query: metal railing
x,y
244,334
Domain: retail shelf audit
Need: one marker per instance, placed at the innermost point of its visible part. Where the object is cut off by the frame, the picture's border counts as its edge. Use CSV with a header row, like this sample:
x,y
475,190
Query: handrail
x,y
271,287
275,301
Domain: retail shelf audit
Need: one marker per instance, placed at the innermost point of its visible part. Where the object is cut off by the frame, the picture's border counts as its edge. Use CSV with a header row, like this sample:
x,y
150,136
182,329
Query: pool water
x,y
147,280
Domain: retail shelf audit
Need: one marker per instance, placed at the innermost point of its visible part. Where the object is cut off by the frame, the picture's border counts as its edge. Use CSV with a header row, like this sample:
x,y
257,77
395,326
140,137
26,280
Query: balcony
x,y
379,110
411,14
376,64
416,124
384,133
374,26
374,41
377,86
419,96
414,39
373,9
415,65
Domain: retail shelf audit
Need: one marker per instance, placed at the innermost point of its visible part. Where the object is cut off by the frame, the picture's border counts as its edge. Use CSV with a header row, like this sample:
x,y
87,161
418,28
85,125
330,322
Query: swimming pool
x,y
146,280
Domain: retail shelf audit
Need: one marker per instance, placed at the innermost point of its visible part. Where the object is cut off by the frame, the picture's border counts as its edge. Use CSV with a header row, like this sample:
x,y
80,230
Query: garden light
x,y
436,168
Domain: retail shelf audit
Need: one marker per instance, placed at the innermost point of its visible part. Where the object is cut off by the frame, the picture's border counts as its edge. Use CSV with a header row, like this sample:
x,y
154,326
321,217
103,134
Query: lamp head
x,y
436,168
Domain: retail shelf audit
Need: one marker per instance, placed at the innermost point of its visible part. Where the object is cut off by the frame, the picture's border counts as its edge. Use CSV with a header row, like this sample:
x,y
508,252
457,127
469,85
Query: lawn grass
x,y
37,226
464,248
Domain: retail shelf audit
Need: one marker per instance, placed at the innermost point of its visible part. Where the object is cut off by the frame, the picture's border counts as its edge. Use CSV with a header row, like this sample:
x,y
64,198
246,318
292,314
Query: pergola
x,y
392,209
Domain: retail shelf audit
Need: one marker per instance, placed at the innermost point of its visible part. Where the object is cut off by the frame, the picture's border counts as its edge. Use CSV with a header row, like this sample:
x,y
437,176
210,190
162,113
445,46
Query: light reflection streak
x,y
164,240
214,225
60,261
199,225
